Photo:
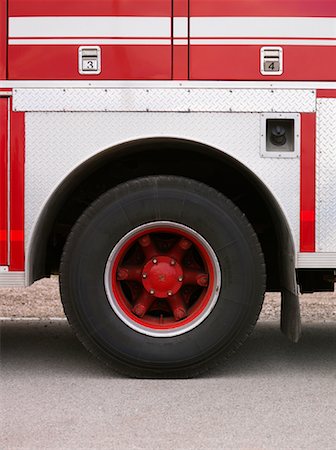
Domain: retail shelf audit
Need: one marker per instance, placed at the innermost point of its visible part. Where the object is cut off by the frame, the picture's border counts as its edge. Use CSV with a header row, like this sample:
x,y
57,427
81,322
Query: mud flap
x,y
290,315
290,306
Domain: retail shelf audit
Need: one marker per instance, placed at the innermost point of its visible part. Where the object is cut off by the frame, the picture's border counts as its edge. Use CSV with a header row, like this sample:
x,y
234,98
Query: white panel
x,y
56,143
326,175
313,260
203,100
89,27
12,279
180,29
167,84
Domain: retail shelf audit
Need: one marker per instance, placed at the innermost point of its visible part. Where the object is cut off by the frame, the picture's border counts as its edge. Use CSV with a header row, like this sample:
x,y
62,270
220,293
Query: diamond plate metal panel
x,y
57,143
165,100
326,175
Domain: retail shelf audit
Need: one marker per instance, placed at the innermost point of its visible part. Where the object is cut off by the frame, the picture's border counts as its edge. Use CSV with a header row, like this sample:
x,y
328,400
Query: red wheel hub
x,y
162,276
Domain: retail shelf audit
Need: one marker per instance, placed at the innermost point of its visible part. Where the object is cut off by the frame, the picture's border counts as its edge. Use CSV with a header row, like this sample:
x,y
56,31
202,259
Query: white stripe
x,y
169,84
180,42
300,27
29,27
89,42
319,42
180,27
296,27
307,42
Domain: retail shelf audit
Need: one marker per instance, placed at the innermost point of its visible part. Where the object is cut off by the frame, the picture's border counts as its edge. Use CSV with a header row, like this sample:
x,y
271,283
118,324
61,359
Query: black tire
x,y
177,200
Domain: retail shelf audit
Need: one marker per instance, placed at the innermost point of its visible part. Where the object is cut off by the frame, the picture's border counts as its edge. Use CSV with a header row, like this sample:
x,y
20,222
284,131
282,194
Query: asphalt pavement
x,y
271,395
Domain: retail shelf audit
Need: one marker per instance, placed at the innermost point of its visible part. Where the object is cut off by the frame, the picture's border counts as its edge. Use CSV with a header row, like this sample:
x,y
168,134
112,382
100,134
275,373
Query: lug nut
x,y
144,275
169,293
180,279
154,261
145,241
180,313
152,292
202,280
185,244
139,310
122,274
172,262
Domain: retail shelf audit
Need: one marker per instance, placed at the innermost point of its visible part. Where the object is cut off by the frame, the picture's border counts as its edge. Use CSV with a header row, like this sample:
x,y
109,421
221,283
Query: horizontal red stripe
x,y
263,8
239,62
90,8
119,62
326,93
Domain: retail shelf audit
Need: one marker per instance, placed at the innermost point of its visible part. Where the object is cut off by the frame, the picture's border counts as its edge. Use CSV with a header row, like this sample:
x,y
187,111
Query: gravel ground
x,y
42,300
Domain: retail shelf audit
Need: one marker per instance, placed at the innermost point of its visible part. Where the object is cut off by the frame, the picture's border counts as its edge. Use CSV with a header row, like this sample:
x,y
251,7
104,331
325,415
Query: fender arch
x,y
170,156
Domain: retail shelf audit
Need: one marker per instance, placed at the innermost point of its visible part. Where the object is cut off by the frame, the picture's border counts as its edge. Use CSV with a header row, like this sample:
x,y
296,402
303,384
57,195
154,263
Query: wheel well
x,y
160,157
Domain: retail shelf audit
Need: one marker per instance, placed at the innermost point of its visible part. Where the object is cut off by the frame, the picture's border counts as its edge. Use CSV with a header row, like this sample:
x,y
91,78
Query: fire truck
x,y
171,160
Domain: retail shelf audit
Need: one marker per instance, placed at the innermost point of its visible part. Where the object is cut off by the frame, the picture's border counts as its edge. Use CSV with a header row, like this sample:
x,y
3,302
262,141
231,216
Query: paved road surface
x,y
272,395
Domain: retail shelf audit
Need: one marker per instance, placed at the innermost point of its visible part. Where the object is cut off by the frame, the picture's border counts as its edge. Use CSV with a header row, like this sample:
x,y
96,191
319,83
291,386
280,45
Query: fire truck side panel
x,y
171,160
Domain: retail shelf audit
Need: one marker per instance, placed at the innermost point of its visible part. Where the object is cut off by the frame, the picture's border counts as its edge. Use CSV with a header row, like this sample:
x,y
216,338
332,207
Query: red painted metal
x,y
3,181
180,62
3,39
263,8
181,8
307,197
326,93
242,62
119,62
161,276
17,139
181,52
176,283
35,8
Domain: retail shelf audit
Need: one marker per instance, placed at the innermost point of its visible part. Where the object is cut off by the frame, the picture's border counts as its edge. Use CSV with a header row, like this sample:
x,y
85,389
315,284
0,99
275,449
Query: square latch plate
x,y
271,60
89,60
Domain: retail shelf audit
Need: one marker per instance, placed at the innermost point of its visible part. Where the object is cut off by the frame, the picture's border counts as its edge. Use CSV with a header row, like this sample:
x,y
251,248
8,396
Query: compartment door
x,y
265,40
134,40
